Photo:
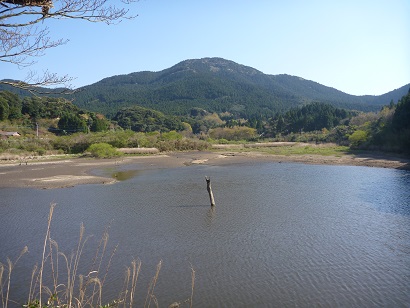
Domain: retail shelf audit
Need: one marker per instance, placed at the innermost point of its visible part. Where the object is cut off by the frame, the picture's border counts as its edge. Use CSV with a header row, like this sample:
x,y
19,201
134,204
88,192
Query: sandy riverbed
x,y
77,171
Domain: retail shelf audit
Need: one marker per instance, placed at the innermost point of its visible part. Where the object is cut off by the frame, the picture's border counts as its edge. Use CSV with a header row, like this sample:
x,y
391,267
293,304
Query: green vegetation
x,y
57,115
316,150
140,119
103,150
312,117
218,85
53,125
358,138
233,133
388,130
295,149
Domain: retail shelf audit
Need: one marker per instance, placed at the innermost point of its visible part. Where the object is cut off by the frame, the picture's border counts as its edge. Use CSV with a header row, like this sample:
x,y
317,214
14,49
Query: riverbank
x,y
58,173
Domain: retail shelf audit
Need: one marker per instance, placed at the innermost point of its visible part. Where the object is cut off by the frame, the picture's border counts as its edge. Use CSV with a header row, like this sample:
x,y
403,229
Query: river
x,y
280,235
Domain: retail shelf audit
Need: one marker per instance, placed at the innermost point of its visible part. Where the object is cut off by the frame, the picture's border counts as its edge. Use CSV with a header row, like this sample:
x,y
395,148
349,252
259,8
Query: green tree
x,y
4,109
14,104
141,119
358,138
172,135
98,123
234,133
401,123
401,118
72,123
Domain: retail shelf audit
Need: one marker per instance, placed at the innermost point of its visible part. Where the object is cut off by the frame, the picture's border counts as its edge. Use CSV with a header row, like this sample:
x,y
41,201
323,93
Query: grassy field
x,y
294,149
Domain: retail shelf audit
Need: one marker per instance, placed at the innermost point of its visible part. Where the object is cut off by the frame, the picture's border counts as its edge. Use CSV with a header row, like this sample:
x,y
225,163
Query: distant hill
x,y
218,85
39,91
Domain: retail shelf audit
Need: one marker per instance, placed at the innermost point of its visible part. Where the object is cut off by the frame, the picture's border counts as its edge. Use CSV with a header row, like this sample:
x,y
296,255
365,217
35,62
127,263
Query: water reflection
x,y
125,175
391,196
210,216
120,174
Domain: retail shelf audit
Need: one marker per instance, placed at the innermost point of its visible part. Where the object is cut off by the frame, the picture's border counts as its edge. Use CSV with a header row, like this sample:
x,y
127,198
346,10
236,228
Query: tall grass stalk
x,y
9,268
46,239
150,294
192,286
77,290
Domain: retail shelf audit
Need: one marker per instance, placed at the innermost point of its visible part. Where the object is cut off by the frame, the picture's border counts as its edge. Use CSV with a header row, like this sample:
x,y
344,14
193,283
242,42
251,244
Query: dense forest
x,y
141,119
216,85
311,117
48,123
389,131
58,114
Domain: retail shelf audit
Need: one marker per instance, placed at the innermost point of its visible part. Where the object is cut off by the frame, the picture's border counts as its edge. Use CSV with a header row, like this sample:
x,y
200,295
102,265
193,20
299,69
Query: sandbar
x,y
47,174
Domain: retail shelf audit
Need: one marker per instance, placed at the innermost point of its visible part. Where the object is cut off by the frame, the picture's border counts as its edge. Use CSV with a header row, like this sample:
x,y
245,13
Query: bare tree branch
x,y
37,84
23,35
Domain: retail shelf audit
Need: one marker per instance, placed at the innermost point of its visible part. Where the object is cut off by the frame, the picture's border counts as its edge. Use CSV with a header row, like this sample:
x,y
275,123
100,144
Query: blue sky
x,y
356,46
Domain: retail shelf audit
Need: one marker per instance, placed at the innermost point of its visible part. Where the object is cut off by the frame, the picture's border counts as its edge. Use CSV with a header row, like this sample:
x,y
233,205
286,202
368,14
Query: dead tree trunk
x,y
209,189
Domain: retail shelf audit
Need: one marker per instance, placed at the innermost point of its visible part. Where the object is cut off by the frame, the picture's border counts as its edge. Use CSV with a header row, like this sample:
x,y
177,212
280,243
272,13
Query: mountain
x,y
218,85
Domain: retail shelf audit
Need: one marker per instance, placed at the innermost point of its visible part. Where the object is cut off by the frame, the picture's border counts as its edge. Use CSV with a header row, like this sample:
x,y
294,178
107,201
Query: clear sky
x,y
356,46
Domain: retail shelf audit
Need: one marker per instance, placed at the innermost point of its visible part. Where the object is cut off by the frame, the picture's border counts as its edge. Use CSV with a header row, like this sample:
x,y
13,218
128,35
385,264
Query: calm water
x,y
281,235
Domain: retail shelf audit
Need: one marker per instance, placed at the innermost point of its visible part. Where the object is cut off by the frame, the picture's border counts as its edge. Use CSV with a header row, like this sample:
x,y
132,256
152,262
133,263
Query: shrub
x,y
234,133
358,137
41,151
103,150
172,135
183,145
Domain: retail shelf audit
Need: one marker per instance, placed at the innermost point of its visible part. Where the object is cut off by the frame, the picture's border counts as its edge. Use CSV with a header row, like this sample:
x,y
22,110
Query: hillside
x,y
218,85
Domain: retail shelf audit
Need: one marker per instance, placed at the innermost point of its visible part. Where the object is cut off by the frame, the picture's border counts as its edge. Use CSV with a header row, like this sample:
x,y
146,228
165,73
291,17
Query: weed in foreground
x,y
69,289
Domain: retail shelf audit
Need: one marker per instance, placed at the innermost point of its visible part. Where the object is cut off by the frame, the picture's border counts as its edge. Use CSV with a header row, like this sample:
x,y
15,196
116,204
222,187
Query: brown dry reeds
x,y
70,289
138,150
269,144
227,146
9,268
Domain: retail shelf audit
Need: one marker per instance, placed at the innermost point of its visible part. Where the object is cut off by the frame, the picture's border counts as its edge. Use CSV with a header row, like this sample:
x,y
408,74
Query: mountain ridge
x,y
218,85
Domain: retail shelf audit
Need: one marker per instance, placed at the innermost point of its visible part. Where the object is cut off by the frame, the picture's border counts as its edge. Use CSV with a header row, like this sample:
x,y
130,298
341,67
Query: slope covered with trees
x,y
40,120
311,117
218,85
390,131
141,119
57,115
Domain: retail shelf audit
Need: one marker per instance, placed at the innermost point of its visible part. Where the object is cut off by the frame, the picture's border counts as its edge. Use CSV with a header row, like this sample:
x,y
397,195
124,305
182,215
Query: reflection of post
x,y
210,216
209,189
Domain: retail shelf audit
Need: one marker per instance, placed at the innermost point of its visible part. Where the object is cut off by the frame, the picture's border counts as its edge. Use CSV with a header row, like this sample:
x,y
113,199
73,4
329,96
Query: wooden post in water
x,y
209,189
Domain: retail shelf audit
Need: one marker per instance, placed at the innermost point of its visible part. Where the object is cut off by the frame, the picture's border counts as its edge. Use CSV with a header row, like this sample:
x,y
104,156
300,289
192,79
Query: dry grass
x,y
286,148
273,144
70,289
256,145
227,146
138,150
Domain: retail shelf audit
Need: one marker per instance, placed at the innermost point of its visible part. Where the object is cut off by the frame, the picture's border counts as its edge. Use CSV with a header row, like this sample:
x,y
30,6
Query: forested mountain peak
x,y
218,85
184,69
216,65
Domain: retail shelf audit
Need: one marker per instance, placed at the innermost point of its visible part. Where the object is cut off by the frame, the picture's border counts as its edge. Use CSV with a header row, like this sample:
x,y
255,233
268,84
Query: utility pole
x,y
37,129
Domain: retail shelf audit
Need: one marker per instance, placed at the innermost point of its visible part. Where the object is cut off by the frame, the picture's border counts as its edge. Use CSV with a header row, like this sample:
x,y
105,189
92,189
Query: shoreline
x,y
47,174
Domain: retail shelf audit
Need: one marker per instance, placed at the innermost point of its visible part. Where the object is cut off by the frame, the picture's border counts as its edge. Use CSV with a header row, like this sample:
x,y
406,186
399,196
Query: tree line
x,y
386,130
